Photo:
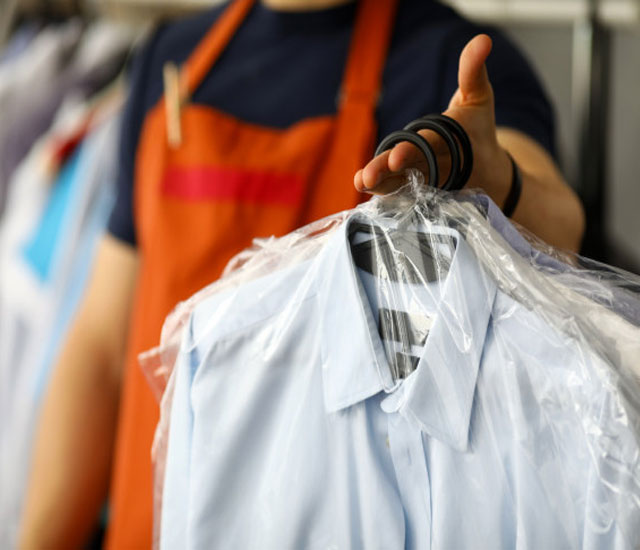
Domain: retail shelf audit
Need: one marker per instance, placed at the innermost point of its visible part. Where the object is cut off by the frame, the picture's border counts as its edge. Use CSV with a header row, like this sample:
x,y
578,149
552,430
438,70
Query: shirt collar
x,y
439,394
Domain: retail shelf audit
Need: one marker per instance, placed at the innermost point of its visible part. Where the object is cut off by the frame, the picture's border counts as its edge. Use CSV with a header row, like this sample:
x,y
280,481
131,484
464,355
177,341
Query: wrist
x,y
511,202
503,176
496,174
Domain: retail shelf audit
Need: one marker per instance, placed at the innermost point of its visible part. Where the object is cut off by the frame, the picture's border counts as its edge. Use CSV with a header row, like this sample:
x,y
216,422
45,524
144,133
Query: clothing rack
x,y
590,104
11,11
46,9
8,9
144,10
608,12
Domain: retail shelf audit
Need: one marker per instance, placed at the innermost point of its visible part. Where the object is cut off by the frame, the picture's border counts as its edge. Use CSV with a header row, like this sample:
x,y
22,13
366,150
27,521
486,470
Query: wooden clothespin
x,y
173,102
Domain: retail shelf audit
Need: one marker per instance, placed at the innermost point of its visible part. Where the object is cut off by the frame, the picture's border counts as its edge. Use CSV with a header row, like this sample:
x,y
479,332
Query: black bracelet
x,y
514,193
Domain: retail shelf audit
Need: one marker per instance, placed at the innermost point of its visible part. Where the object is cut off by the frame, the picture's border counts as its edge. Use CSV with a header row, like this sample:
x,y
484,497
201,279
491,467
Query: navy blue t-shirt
x,y
282,67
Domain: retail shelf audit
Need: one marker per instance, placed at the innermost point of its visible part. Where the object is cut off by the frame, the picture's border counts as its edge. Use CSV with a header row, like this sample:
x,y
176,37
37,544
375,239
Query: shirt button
x,y
392,402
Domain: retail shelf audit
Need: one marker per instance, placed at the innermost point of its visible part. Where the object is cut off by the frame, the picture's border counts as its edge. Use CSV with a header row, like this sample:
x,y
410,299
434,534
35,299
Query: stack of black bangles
x,y
460,150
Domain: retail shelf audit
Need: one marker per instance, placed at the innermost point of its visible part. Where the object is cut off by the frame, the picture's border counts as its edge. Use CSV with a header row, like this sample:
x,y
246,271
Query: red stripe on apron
x,y
211,182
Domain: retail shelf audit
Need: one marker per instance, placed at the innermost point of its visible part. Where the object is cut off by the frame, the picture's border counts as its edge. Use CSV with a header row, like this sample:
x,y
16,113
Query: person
x,y
281,103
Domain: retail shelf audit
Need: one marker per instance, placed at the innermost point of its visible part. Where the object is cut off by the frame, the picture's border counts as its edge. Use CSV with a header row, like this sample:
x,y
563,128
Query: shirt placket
x,y
412,475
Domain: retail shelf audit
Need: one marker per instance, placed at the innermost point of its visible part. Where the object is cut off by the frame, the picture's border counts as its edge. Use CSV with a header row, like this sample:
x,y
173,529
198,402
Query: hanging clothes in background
x,y
58,199
82,71
24,80
19,42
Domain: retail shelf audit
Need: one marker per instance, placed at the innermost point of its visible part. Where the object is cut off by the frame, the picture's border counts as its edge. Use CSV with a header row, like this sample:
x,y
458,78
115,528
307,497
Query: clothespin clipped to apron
x,y
174,99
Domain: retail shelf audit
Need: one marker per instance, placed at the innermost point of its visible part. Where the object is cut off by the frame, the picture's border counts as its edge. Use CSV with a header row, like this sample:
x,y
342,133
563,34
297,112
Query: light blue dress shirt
x,y
288,430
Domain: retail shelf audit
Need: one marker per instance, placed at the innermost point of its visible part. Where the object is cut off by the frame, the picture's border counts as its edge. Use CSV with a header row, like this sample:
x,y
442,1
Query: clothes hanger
x,y
410,255
448,129
456,139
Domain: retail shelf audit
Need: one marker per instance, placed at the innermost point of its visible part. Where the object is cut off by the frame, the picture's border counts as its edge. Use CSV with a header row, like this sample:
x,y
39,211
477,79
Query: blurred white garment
x,y
25,80
36,305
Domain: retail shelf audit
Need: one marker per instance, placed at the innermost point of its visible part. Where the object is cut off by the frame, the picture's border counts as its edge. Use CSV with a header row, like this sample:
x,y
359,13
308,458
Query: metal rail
x,y
608,12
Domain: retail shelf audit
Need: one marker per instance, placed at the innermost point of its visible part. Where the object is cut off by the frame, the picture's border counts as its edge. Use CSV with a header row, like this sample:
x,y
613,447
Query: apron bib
x,y
200,202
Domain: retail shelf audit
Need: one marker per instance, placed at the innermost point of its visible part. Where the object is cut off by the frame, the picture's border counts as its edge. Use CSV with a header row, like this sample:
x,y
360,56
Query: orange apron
x,y
199,203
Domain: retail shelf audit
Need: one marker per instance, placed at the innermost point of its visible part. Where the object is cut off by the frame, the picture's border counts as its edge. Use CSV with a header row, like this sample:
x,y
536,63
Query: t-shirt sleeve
x,y
121,224
521,102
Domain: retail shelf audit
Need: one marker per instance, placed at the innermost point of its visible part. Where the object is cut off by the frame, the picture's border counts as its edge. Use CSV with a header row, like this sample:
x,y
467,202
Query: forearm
x,y
551,213
73,448
548,207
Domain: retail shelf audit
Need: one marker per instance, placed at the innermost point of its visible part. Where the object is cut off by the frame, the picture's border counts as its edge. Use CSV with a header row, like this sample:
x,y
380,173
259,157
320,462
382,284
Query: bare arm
x,y
73,448
547,207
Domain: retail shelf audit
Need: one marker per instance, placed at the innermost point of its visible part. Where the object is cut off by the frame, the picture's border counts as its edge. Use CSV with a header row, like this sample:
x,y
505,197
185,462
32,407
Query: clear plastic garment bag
x,y
414,373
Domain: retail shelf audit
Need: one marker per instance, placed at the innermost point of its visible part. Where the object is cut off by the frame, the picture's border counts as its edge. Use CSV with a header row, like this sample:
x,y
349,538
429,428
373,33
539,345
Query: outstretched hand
x,y
472,105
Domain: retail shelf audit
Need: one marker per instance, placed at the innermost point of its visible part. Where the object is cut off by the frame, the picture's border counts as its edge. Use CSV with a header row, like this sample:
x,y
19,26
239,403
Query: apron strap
x,y
354,140
212,45
362,81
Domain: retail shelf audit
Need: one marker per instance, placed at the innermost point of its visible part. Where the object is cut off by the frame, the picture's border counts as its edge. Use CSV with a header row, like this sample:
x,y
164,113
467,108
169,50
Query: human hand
x,y
472,105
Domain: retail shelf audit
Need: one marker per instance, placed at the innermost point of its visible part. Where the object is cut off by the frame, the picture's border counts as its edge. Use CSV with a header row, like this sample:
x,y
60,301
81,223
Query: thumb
x,y
473,80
